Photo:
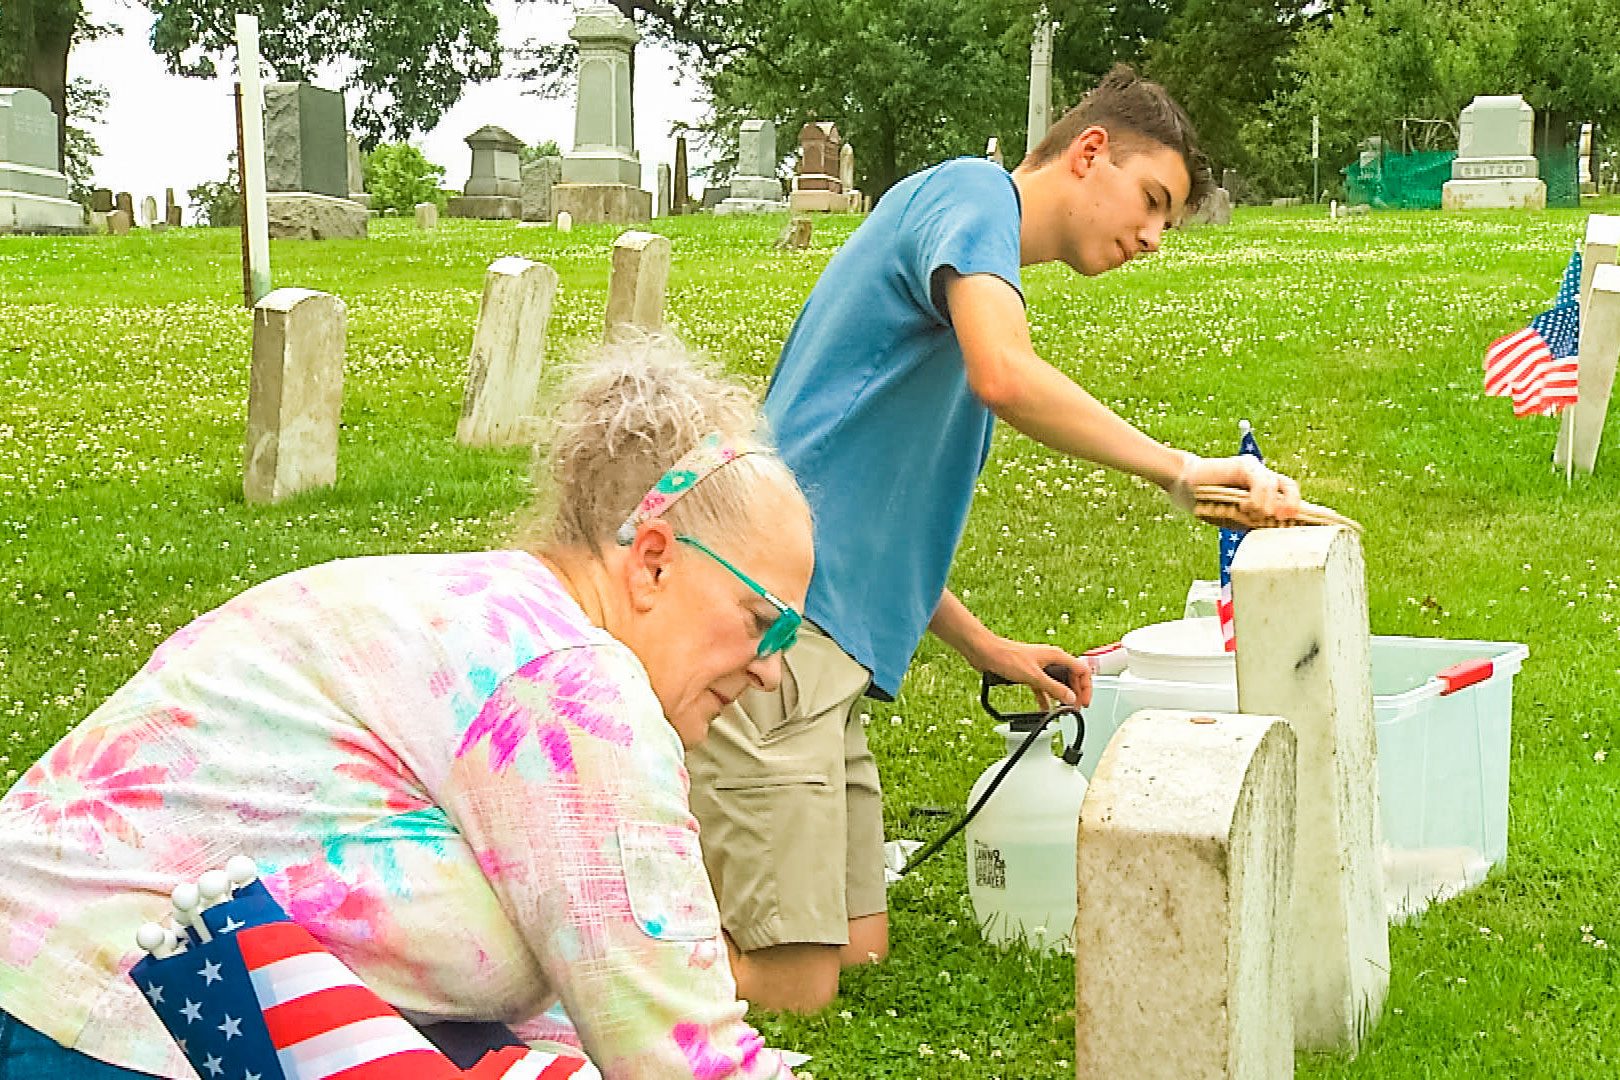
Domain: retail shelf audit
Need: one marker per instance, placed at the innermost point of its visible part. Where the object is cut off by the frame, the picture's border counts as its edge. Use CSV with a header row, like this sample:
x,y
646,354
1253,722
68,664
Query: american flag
x,y
1536,367
1229,545
263,1000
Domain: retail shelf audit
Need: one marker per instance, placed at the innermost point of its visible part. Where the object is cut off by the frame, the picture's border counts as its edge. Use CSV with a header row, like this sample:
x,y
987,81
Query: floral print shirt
x,y
443,770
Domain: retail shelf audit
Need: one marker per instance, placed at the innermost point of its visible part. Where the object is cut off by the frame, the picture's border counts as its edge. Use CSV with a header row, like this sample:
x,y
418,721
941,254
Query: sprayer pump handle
x,y
989,679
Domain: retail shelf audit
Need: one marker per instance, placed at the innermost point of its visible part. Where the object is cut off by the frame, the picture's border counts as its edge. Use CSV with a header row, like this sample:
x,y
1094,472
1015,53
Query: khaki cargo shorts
x,y
786,794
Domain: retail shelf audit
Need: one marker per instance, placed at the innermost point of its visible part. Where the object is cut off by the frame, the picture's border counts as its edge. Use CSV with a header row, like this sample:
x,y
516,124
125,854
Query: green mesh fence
x,y
1414,181
1400,181
1559,167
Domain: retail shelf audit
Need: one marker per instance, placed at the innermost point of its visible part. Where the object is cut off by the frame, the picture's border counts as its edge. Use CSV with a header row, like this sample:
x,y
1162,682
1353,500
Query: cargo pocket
x,y
664,879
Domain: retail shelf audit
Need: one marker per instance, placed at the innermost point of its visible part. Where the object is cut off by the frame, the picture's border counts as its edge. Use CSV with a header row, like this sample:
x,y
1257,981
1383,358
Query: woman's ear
x,y
649,557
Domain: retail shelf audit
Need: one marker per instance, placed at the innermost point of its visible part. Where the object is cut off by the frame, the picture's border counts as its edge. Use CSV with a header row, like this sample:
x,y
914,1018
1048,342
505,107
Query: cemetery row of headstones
x,y
295,393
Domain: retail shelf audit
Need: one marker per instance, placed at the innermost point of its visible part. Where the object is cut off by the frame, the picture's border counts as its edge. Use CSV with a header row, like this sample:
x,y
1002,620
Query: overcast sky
x,y
164,131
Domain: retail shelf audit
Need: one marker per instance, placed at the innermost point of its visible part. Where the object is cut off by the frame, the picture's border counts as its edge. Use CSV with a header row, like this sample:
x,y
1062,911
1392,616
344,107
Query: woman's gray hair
x,y
622,417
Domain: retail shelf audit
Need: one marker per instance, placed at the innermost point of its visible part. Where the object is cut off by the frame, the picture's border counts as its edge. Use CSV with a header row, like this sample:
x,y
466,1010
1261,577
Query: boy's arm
x,y
1043,403
1022,662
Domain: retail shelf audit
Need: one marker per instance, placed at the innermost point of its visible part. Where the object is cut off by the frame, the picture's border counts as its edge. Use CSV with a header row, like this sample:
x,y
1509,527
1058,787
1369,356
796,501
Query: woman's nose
x,y
766,671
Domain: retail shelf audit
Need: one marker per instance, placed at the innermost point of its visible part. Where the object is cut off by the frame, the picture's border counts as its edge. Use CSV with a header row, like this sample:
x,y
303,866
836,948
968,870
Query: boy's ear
x,y
1085,148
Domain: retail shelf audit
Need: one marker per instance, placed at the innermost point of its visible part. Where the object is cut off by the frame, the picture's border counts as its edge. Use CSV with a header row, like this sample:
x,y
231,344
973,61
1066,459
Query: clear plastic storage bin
x,y
1443,712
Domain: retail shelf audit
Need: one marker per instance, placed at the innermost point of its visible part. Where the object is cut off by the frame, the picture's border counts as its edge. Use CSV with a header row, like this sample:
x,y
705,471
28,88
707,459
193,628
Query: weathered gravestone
x,y
494,189
508,352
427,216
1304,654
1216,209
754,186
1495,165
714,195
295,394
126,202
1581,425
149,212
1583,157
306,164
601,177
818,184
171,209
119,222
637,282
357,175
1184,870
795,235
539,177
664,194
33,190
101,200
683,190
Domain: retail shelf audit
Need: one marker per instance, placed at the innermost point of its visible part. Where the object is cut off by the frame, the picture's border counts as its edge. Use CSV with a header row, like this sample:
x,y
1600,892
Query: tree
x,y
1224,59
86,104
406,61
398,177
219,202
548,148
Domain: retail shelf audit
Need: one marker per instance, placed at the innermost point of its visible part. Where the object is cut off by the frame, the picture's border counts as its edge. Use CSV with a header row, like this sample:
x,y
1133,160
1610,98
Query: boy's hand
x,y
1023,662
1271,494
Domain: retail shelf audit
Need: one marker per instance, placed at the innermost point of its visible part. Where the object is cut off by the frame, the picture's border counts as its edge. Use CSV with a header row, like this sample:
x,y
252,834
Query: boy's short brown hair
x,y
1136,113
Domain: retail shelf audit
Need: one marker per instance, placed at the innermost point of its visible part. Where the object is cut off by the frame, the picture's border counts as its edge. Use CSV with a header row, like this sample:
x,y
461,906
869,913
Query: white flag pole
x,y
1569,458
252,164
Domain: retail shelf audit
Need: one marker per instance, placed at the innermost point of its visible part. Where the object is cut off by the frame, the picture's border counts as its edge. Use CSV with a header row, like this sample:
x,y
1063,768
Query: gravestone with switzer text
x,y
1495,167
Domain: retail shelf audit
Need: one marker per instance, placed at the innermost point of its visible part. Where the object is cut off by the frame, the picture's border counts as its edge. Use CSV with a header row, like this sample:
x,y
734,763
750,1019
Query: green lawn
x,y
1353,346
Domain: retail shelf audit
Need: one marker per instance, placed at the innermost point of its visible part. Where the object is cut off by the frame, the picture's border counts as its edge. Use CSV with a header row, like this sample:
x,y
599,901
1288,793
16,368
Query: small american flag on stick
x,y
1230,538
1536,367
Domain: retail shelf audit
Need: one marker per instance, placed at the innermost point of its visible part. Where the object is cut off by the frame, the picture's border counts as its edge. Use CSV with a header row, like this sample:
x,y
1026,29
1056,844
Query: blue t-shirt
x,y
871,408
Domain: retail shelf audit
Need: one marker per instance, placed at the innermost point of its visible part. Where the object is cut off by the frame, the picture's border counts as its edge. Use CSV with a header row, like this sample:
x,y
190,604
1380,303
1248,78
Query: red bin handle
x,y
1467,673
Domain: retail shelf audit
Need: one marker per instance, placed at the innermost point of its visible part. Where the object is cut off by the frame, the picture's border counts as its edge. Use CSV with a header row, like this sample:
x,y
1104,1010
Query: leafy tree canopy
x,y
405,61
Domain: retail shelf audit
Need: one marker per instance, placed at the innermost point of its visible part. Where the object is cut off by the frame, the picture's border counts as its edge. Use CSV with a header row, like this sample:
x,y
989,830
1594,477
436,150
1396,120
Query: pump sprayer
x,y
1021,843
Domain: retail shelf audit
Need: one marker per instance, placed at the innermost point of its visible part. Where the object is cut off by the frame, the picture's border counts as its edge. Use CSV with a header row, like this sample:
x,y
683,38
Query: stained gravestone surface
x,y
101,200
637,282
1184,869
1300,603
508,352
295,394
306,142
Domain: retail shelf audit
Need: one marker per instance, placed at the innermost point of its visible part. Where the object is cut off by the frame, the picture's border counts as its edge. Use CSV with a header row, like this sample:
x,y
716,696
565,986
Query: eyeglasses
x,y
784,630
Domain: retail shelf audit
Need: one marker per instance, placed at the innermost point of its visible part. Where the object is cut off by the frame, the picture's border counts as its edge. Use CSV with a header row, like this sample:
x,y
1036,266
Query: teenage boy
x,y
912,344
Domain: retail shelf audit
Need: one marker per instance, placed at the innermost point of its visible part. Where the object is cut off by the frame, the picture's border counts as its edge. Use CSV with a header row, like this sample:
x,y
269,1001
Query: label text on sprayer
x,y
989,869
